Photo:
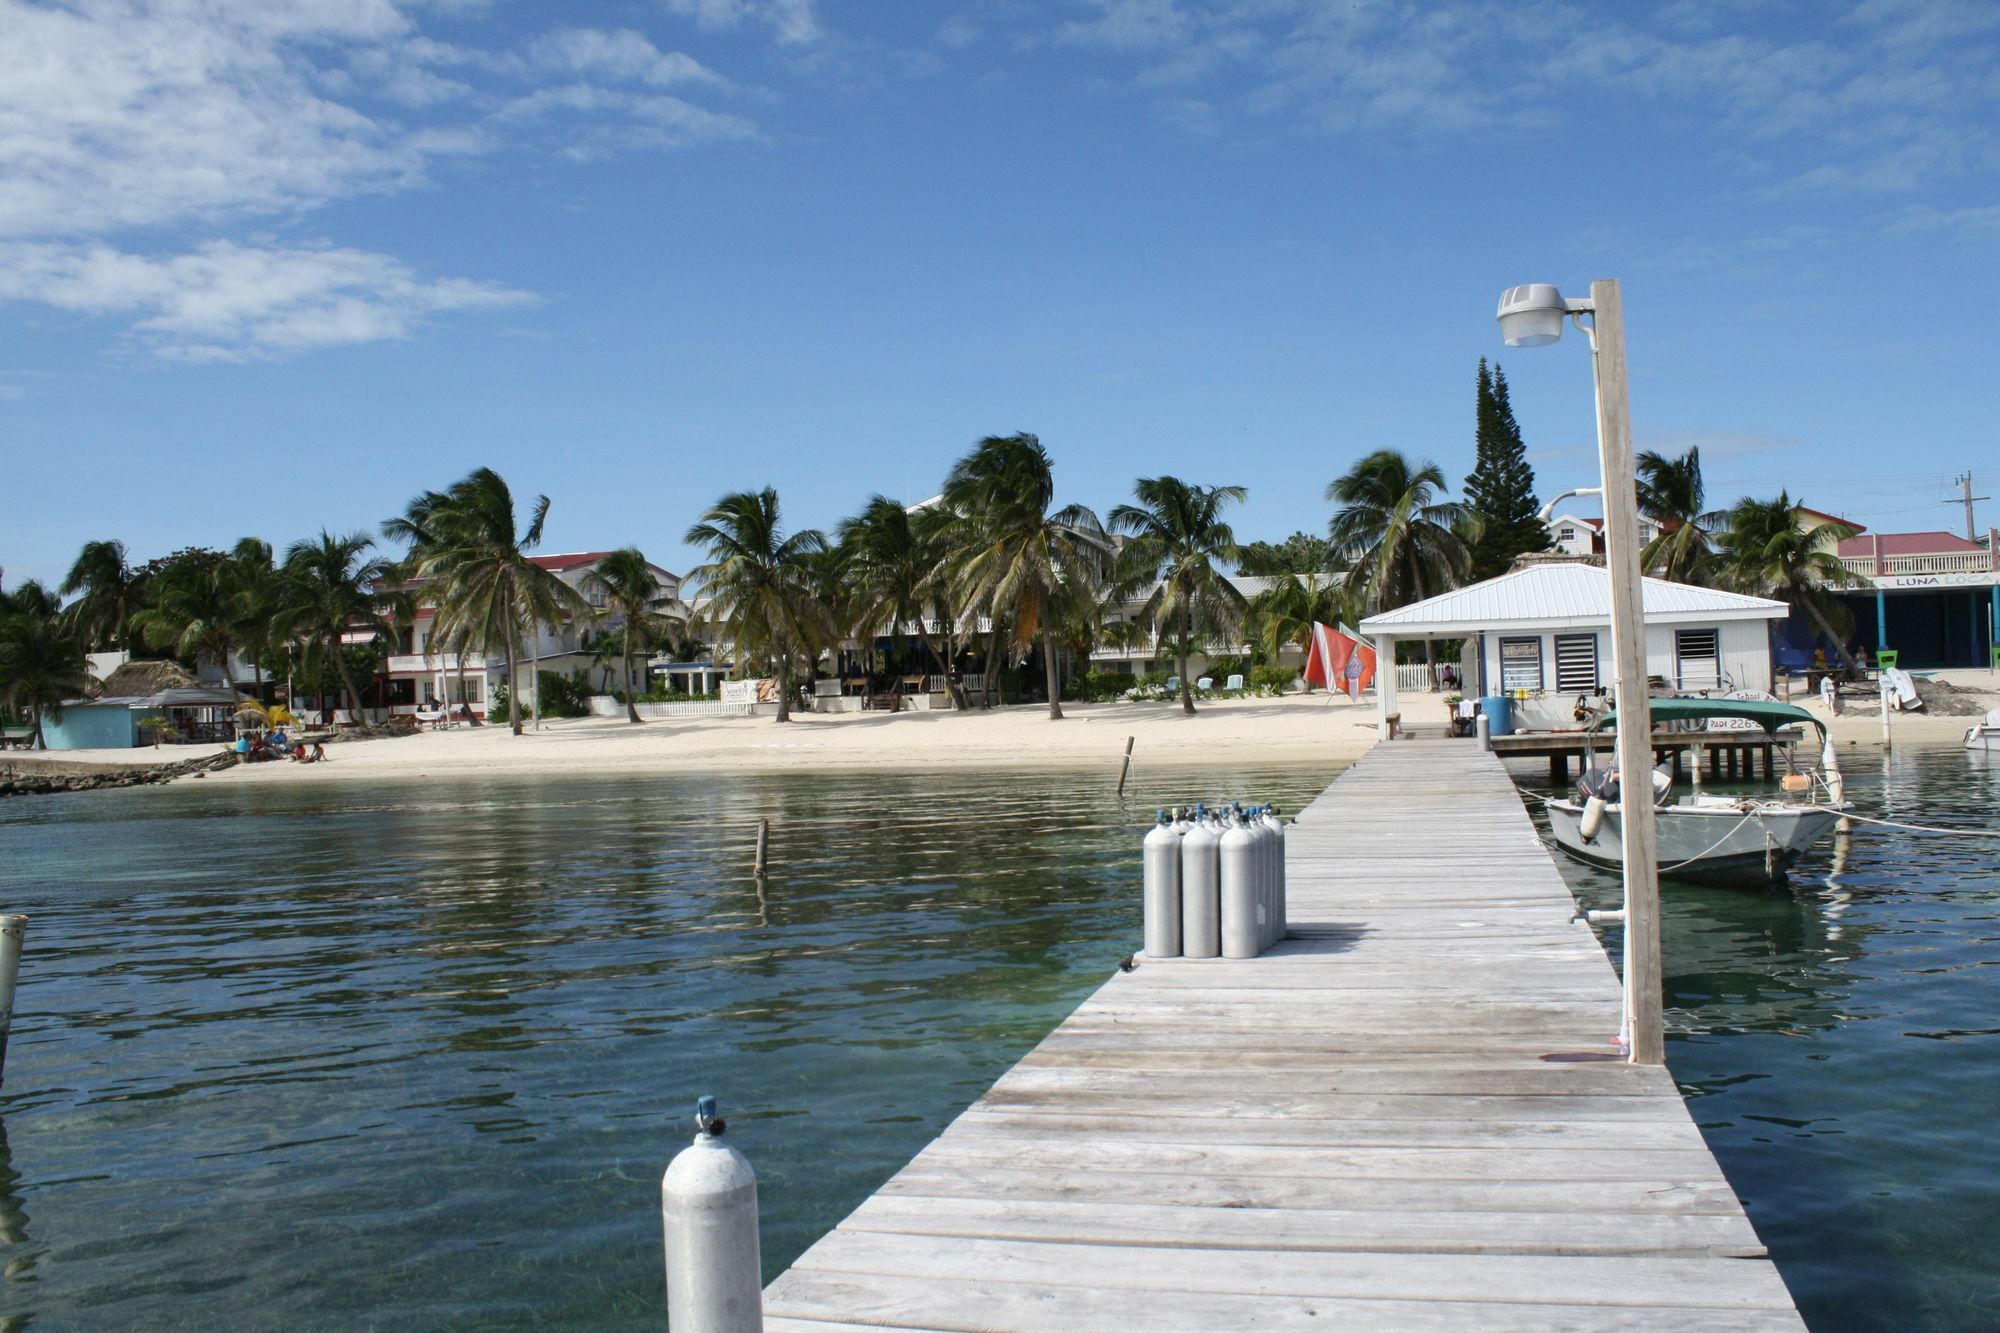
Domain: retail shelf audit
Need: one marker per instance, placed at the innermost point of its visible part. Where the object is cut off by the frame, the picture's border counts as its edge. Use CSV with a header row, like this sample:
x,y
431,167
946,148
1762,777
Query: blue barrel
x,y
1499,710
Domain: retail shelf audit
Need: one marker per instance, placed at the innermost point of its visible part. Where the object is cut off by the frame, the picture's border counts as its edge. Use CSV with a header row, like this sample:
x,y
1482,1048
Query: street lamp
x,y
1532,315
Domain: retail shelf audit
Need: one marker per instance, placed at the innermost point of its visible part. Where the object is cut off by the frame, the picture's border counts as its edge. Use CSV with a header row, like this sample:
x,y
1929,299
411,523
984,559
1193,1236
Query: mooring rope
x,y
1914,828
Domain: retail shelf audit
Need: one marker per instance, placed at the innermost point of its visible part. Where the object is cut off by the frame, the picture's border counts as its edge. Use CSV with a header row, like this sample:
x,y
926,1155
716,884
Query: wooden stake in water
x,y
1126,771
12,930
763,846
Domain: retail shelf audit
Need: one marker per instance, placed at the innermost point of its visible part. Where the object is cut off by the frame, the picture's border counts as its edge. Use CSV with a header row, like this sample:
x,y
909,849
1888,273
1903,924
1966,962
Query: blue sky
x,y
272,265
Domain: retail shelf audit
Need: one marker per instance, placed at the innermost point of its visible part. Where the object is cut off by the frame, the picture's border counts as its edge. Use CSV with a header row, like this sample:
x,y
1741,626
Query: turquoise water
x,y
415,1056
1839,1044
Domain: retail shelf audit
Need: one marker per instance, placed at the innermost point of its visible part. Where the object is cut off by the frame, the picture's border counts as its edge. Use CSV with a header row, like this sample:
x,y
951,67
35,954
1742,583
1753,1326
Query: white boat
x,y
1985,733
1717,839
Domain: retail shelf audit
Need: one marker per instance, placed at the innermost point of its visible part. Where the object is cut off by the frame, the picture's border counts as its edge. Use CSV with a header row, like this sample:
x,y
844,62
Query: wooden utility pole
x,y
1966,498
1628,655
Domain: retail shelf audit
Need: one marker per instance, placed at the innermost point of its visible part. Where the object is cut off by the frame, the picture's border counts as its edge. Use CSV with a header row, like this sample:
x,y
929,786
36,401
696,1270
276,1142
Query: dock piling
x,y
763,847
1126,771
13,930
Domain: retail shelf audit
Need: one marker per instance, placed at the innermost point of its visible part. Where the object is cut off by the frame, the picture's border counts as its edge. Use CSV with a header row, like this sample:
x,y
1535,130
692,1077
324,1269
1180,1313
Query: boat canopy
x,y
1768,714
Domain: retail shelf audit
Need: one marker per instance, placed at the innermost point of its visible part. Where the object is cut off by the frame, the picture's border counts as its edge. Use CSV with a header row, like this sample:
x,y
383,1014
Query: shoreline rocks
x,y
14,782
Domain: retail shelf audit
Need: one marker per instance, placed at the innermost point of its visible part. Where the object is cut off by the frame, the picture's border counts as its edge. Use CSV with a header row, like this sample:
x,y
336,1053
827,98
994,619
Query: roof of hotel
x,y
1908,543
1560,593
571,560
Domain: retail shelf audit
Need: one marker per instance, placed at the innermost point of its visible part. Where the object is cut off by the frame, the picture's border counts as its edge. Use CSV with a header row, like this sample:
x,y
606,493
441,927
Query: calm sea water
x,y
416,1056
1839,1044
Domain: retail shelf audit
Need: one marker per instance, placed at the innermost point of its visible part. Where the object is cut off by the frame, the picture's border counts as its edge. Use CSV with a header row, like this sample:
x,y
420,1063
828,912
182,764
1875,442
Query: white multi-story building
x,y
421,673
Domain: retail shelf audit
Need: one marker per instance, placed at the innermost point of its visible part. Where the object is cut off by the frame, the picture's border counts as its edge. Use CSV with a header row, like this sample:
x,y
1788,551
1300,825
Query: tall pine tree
x,y
1500,492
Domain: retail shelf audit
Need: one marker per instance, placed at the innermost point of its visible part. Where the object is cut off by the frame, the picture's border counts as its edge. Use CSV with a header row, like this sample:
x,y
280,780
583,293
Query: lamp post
x,y
1533,316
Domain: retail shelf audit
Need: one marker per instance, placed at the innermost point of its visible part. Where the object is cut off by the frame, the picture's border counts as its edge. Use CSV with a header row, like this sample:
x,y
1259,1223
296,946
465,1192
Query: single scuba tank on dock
x,y
1201,907
1162,904
1237,855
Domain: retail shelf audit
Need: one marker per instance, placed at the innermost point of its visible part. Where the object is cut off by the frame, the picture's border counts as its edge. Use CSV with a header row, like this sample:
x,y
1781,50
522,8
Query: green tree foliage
x,y
630,591
1179,542
327,587
42,656
899,560
1397,533
1764,550
112,593
1300,553
1500,492
198,610
1286,611
1671,492
760,583
470,560
1020,557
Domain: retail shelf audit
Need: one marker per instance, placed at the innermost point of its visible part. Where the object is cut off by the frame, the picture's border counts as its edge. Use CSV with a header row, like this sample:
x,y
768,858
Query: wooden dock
x,y
1407,1116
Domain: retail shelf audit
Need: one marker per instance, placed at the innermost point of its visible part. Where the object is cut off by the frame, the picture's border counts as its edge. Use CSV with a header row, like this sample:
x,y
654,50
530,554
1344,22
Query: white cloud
x,y
230,302
621,54
1880,95
9,392
180,119
792,22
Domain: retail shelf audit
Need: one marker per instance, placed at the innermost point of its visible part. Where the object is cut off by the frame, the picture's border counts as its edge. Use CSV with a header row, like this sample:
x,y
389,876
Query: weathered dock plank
x,y
1409,1115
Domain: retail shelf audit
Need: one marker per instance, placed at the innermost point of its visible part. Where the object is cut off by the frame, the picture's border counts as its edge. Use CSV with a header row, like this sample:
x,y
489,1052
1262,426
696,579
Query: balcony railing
x,y
415,663
1937,562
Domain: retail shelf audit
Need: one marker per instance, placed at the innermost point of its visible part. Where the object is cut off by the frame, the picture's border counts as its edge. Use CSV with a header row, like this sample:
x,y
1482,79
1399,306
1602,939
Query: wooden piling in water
x,y
1127,769
763,846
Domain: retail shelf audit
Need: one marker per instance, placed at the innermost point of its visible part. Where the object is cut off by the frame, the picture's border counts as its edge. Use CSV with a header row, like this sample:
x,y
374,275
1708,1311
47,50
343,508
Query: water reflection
x,y
1835,1036
417,1056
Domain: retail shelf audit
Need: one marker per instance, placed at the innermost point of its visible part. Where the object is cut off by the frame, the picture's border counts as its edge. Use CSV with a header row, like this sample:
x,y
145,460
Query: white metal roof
x,y
1556,594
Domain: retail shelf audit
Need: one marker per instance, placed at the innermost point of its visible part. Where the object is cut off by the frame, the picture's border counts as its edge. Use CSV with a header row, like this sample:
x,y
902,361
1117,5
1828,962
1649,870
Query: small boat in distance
x,y
1985,733
1717,839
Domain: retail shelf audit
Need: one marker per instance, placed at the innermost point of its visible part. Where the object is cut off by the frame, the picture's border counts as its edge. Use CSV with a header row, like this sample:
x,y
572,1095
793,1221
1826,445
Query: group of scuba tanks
x,y
1215,882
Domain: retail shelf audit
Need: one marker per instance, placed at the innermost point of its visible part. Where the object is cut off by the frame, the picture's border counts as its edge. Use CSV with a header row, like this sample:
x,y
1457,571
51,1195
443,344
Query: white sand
x,y
1317,728
1225,731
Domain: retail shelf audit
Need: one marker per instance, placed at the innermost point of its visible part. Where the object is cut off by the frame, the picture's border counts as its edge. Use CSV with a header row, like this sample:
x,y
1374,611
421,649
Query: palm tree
x,y
257,591
1019,559
474,566
626,582
1766,551
897,557
197,611
1286,611
1179,542
42,656
759,582
328,588
1672,494
113,592
1399,537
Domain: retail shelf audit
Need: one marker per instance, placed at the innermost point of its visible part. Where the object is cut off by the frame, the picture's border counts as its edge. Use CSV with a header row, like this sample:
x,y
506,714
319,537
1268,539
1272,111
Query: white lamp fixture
x,y
1532,314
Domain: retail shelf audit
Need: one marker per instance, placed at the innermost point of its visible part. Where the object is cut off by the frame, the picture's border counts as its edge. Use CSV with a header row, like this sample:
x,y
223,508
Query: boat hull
x,y
1983,737
1720,844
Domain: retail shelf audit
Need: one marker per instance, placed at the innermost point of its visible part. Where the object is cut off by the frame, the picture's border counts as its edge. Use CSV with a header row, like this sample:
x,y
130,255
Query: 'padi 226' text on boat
x,y
1985,733
1717,839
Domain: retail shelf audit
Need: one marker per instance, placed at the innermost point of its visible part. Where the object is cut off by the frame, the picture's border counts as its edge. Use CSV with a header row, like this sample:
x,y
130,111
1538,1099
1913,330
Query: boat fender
x,y
1593,818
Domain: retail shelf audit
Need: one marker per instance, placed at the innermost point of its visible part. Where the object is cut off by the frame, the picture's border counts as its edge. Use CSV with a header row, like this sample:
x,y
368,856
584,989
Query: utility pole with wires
x,y
1966,498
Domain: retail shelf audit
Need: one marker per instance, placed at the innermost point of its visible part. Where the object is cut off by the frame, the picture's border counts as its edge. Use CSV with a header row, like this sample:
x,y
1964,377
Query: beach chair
x,y
1173,684
1205,684
1233,683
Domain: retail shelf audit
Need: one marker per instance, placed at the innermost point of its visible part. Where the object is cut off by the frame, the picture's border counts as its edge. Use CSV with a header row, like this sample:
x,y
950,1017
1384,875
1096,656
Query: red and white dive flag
x,y
1339,661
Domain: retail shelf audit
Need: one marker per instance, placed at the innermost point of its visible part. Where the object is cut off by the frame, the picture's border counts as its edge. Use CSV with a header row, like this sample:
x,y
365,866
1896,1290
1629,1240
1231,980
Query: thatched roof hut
x,y
140,679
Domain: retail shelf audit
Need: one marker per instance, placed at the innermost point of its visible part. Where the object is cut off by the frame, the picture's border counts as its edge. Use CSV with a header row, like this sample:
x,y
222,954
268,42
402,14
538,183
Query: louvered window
x,y
1697,661
1576,663
1520,664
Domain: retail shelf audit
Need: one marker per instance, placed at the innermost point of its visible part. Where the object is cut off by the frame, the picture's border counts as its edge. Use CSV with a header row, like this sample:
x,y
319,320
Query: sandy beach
x,y
1316,728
